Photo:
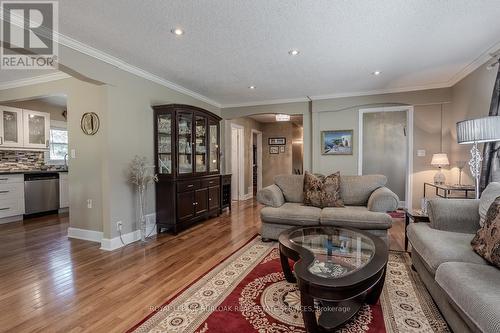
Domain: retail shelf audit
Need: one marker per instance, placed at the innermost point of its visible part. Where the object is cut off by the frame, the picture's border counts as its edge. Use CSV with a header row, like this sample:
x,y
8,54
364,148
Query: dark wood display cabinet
x,y
187,161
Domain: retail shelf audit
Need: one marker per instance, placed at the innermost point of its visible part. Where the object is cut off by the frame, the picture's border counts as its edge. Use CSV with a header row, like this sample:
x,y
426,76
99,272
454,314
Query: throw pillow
x,y
486,243
320,191
487,197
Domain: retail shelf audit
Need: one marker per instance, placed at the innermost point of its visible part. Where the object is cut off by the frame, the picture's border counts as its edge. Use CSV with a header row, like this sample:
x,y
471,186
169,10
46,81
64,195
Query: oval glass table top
x,y
337,251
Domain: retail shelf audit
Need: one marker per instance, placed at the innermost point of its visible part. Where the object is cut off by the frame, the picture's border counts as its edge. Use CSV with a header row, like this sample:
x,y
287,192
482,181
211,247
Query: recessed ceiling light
x,y
177,31
293,52
376,73
251,87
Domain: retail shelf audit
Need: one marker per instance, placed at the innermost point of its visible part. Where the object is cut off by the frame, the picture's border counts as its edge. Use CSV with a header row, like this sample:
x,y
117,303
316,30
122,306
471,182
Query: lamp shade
x,y
440,160
479,130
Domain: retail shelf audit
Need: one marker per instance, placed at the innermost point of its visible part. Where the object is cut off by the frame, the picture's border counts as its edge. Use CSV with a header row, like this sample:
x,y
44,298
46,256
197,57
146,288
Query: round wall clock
x,y
90,123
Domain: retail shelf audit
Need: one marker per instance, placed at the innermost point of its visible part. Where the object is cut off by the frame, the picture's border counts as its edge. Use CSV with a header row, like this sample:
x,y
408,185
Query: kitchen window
x,y
58,144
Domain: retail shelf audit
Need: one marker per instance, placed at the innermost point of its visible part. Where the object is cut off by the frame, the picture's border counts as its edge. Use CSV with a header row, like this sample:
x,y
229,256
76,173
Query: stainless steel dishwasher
x,y
41,192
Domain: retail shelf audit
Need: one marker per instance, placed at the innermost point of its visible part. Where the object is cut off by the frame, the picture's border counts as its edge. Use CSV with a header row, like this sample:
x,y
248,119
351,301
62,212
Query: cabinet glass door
x,y
11,127
201,144
213,133
164,125
185,147
36,129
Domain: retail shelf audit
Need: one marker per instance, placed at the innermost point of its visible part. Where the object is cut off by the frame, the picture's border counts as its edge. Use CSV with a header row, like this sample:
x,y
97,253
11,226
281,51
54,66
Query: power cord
x,y
148,235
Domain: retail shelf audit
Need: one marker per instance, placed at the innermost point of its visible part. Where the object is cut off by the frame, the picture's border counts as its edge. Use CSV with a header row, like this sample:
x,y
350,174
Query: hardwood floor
x,y
50,283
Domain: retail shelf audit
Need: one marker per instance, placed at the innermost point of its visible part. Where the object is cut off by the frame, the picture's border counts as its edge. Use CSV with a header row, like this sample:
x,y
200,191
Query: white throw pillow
x,y
490,193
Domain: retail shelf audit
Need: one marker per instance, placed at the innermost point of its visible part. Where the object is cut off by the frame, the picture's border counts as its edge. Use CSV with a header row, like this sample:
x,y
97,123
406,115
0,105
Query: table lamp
x,y
474,131
440,160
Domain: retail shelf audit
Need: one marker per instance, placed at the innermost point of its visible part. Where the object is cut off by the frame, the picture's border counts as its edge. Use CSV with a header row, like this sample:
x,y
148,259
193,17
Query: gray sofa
x,y
365,197
465,287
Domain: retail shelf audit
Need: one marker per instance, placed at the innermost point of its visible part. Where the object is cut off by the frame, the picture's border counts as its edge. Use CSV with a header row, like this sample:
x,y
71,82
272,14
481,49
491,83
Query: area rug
x,y
248,293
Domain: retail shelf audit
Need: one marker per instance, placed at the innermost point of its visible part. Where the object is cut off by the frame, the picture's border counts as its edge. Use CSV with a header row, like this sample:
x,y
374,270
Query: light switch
x,y
421,152
73,153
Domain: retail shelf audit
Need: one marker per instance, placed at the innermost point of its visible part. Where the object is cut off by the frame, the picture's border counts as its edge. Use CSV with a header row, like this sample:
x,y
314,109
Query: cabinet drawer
x,y
188,185
214,181
8,179
12,191
11,208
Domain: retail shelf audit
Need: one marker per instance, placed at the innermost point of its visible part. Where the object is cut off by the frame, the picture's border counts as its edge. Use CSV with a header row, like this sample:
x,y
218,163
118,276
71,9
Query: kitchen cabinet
x,y
36,126
63,190
11,127
187,165
24,129
11,195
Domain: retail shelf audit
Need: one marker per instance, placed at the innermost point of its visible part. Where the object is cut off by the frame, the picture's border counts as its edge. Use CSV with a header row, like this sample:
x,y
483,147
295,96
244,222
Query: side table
x,y
417,216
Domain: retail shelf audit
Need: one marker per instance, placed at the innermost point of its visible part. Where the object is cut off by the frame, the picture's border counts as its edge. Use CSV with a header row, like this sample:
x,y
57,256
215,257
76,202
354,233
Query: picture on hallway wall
x,y
277,141
274,150
336,142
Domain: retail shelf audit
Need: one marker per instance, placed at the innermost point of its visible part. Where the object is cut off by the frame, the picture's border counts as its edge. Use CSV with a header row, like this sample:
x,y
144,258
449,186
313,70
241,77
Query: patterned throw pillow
x,y
321,191
486,243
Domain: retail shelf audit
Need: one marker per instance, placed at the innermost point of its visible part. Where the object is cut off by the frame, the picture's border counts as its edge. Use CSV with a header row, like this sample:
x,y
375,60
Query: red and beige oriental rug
x,y
247,292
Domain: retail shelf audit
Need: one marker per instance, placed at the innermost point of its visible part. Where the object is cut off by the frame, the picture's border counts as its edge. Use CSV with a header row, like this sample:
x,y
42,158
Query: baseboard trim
x,y
84,234
111,244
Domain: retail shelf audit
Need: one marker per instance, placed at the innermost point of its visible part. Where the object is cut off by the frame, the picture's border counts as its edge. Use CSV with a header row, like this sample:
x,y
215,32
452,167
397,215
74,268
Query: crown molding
x,y
268,102
114,61
120,64
34,80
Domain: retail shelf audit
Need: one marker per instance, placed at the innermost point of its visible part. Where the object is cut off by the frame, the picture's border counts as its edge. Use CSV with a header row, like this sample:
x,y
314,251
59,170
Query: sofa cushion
x,y
355,190
292,187
486,243
474,289
291,214
436,246
322,191
355,217
487,197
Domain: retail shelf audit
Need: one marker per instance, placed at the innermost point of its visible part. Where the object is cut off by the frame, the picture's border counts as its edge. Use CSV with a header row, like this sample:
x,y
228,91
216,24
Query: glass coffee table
x,y
336,269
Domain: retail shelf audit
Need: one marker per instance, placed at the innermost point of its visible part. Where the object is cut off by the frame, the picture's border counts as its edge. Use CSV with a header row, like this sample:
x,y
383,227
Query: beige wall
x,y
85,171
276,164
99,172
248,124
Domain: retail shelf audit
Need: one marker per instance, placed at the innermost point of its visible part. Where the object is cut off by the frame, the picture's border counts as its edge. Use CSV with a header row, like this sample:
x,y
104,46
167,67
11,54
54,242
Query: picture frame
x,y
282,149
274,150
280,141
337,142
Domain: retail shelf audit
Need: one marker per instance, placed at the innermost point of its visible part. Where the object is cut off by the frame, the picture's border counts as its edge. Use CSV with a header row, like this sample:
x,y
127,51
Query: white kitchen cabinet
x,y
36,127
63,190
11,127
11,195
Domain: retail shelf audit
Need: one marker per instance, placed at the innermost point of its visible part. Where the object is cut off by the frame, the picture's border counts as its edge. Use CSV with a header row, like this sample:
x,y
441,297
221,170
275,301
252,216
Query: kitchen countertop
x,y
14,172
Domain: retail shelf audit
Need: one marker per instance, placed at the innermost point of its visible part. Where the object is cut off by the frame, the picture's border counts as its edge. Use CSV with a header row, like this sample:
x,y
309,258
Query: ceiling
x,y
271,118
230,45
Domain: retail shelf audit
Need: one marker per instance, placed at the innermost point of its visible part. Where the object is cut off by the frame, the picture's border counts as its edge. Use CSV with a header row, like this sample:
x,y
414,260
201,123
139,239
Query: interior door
x,y
201,201
385,148
11,127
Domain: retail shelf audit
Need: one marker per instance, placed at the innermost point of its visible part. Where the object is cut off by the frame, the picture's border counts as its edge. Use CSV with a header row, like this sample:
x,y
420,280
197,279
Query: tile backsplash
x,y
20,160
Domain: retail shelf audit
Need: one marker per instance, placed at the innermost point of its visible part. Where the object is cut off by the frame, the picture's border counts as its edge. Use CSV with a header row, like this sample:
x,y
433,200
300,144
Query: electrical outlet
x,y
119,225
73,153
89,203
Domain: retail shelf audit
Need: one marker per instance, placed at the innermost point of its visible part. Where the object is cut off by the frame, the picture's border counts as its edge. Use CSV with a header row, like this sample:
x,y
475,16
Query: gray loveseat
x,y
365,197
465,287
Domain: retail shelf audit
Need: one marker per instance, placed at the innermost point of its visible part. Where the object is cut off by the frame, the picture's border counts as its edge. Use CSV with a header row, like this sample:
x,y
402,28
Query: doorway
x,y
385,147
237,163
256,145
